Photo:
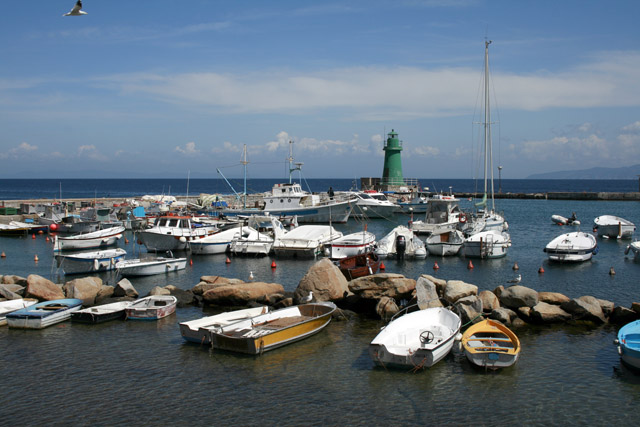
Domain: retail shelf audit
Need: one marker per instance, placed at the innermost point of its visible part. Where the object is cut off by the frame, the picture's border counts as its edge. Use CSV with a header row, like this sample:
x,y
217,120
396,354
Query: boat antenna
x,y
245,162
188,177
298,166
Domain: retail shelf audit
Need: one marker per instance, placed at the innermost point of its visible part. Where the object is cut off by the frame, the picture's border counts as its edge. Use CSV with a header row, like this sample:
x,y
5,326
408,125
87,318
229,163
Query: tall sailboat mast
x,y
245,162
488,149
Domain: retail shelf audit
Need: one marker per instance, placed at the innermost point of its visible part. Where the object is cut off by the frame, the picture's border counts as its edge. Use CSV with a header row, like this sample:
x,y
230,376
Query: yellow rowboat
x,y
274,329
490,344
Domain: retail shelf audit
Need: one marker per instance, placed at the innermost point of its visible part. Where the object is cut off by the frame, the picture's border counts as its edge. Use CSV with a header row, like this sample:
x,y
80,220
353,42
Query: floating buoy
x,y
35,258
435,266
46,239
382,267
191,262
126,241
273,264
53,227
40,232
540,270
470,265
33,236
3,255
612,272
228,261
515,266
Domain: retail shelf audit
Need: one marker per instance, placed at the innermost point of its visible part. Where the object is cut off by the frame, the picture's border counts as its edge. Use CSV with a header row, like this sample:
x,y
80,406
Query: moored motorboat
x,y
401,242
614,227
352,244
445,244
359,265
149,266
305,241
101,313
572,247
218,242
490,344
634,248
274,329
487,244
258,236
96,239
372,204
153,307
561,220
90,262
12,305
198,330
628,343
443,214
173,233
416,340
43,314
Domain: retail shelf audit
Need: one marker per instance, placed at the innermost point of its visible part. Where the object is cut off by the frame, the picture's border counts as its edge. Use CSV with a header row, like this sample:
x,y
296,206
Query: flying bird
x,y
77,10
518,279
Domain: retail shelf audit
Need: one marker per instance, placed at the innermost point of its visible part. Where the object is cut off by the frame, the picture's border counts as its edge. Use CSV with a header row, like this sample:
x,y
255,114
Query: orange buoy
x,y
228,261
435,266
126,241
3,255
46,239
470,266
35,258
612,272
273,264
40,232
382,267
191,261
540,270
515,266
33,236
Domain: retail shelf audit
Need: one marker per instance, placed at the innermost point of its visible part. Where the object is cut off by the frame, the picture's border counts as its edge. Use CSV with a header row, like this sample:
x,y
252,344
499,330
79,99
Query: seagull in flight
x,y
518,279
77,10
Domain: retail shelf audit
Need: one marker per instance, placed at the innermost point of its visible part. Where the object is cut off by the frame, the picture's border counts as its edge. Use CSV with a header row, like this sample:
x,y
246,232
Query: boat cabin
x,y
289,195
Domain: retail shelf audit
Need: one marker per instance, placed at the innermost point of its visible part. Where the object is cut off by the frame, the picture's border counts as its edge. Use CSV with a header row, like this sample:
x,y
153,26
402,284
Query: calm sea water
x,y
124,373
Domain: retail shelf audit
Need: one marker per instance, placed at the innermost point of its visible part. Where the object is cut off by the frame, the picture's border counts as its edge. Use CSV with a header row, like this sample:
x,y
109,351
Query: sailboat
x,y
488,238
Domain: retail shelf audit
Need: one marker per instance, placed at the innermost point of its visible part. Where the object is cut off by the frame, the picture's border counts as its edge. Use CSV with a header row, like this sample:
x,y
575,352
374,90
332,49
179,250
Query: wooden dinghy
x,y
101,313
359,265
490,344
198,330
272,330
153,307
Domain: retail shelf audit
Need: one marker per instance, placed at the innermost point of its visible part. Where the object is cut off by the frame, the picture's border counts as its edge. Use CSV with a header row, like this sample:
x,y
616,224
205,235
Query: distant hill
x,y
629,172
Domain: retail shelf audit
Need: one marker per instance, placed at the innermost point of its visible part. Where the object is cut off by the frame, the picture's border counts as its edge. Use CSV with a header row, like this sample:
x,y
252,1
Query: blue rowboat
x,y
43,314
628,343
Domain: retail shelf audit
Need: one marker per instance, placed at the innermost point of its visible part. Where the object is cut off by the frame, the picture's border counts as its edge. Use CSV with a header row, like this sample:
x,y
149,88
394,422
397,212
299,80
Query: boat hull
x,y
89,241
445,244
10,306
572,247
487,244
152,308
272,330
628,344
42,315
199,330
129,268
613,227
359,265
101,313
324,214
490,345
91,263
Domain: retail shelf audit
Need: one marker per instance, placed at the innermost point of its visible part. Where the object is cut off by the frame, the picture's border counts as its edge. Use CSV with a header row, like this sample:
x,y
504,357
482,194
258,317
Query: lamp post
x,y
500,179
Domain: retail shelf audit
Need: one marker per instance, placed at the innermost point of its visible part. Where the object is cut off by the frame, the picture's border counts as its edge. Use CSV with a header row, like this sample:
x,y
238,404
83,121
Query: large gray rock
x,y
457,289
157,290
427,293
518,296
386,307
469,309
210,282
325,280
503,314
124,288
12,279
105,292
85,288
555,298
489,300
184,297
42,289
606,306
16,289
548,313
635,306
241,293
381,285
623,315
440,283
7,293
585,308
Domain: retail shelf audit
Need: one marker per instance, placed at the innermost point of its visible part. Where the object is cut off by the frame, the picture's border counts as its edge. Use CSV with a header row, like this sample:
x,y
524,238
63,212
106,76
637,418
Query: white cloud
x,y
426,151
227,147
20,151
633,127
90,152
189,149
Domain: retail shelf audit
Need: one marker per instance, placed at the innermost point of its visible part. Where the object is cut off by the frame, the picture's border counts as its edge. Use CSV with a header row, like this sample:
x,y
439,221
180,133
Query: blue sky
x,y
166,88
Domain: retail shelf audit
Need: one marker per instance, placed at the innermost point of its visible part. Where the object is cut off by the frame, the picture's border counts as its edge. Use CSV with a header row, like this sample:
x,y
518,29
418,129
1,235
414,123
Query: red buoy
x,y
33,236
46,238
53,227
228,261
435,266
126,241
35,258
191,262
382,267
470,265
540,270
3,255
273,264
40,232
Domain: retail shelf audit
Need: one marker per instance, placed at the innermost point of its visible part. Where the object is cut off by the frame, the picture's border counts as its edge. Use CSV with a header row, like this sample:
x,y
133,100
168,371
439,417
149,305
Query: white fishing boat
x,y
561,220
352,244
634,248
173,233
12,305
43,314
572,247
199,330
305,241
372,204
443,215
401,242
445,244
258,236
414,203
487,244
101,313
96,239
416,340
273,329
149,266
613,227
218,242
90,262
153,307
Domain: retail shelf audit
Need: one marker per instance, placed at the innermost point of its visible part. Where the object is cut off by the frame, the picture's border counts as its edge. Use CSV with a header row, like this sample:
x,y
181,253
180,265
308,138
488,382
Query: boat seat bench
x,y
490,339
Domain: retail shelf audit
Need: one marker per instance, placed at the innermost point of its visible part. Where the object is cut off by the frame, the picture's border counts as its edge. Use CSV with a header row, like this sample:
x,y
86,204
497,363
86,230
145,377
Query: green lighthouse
x,y
392,172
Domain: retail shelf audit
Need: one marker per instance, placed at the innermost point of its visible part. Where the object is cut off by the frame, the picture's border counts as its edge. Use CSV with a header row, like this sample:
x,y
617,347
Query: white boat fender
x,y
96,264
183,239
105,240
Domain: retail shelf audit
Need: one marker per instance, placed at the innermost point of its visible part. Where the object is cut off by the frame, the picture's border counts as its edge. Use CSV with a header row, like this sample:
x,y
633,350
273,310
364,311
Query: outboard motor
x,y
401,247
